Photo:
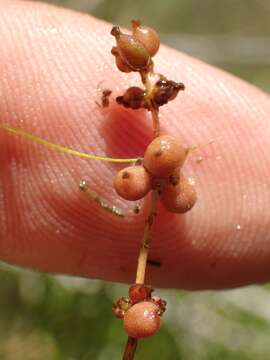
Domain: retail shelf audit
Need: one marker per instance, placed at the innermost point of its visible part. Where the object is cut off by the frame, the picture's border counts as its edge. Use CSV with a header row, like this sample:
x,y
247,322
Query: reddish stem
x,y
130,349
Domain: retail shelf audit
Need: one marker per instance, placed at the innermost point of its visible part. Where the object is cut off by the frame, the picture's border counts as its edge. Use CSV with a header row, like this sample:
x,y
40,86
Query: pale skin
x,y
51,63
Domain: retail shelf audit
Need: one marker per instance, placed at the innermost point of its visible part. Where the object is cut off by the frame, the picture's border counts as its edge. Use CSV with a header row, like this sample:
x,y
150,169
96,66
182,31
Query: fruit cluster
x,y
134,53
160,170
141,312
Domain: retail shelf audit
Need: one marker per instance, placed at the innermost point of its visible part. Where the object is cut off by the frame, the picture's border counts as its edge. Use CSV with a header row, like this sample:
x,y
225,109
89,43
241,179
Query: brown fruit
x,y
132,183
142,320
132,51
121,65
164,155
147,36
179,197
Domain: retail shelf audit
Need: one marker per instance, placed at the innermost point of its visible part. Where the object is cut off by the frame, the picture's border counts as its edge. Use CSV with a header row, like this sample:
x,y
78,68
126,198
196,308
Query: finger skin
x,y
52,62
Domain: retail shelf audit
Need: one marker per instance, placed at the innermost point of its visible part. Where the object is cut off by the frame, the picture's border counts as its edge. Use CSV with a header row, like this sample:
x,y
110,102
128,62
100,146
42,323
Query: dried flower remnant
x,y
166,90
133,98
106,93
139,293
121,306
105,96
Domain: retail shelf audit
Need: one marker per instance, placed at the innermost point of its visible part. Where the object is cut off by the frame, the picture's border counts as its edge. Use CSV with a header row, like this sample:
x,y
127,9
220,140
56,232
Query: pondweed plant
x,y
158,173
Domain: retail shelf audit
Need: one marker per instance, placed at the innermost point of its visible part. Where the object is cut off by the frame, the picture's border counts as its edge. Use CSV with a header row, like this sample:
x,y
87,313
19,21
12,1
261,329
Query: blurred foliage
x,y
40,318
55,318
232,34
190,16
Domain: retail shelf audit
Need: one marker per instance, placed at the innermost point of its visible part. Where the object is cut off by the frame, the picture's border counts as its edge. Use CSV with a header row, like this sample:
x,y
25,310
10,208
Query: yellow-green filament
x,y
199,147
60,148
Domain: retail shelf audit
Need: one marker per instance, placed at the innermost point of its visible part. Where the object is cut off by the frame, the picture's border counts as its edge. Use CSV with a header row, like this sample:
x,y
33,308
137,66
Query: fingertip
x,y
50,86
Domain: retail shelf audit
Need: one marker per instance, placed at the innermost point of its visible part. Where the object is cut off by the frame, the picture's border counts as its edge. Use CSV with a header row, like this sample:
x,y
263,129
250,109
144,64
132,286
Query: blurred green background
x,y
57,317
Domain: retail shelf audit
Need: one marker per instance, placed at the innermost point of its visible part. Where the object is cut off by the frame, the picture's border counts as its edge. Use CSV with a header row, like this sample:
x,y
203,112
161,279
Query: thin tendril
x,y
199,147
60,148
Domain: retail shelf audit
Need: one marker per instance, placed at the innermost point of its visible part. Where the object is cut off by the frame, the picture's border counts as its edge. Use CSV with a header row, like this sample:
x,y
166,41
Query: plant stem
x,y
143,255
148,80
155,120
131,344
130,349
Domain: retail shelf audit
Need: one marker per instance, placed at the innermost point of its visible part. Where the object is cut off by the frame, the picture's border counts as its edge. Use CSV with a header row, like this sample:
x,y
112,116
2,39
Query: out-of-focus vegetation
x,y
53,318
233,34
46,317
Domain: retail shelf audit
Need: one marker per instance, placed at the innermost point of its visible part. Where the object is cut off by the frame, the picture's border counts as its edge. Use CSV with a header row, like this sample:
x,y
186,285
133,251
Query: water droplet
x,y
191,181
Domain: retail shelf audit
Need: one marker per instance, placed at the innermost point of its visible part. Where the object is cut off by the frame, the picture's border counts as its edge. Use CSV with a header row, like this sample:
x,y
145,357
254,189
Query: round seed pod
x,y
121,65
179,197
147,36
142,320
132,51
132,183
163,155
